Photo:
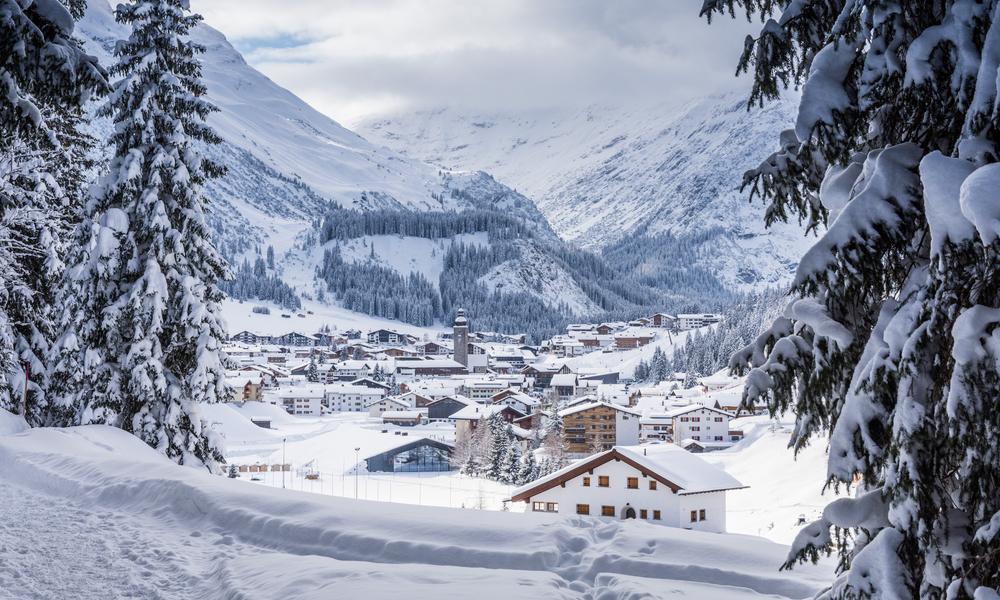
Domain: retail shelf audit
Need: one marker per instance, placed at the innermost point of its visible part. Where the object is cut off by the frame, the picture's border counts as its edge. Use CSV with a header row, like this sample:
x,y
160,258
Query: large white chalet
x,y
658,483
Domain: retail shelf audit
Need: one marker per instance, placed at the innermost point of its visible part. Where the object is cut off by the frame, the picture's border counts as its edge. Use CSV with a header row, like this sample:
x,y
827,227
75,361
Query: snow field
x,y
229,539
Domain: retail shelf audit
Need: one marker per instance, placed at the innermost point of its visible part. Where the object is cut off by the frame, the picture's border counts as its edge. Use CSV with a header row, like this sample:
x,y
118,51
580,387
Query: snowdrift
x,y
291,544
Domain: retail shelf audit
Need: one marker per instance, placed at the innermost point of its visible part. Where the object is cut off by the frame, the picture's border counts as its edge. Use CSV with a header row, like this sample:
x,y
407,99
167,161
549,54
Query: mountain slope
x,y
289,166
606,172
287,161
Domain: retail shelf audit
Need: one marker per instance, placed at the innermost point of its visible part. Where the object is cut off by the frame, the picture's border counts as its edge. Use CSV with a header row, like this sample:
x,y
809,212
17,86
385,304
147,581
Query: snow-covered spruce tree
x,y
528,469
891,344
312,374
150,330
511,467
45,77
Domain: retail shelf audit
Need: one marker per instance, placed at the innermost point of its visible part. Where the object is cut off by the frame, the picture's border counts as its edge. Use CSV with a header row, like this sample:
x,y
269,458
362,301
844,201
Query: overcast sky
x,y
356,58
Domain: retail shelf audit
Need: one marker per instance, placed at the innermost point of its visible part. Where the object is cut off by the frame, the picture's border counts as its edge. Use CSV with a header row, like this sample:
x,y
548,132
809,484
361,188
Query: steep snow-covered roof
x,y
564,380
594,404
688,472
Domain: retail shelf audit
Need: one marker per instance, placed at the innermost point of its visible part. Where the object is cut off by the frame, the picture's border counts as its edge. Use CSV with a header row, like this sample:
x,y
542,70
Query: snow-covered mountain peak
x,y
601,173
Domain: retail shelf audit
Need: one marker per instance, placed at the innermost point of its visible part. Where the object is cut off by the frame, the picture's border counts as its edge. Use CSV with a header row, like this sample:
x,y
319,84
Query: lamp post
x,y
282,463
357,461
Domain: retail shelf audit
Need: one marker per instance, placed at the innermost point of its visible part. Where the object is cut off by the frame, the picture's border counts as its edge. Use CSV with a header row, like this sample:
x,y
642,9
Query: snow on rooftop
x,y
688,471
594,404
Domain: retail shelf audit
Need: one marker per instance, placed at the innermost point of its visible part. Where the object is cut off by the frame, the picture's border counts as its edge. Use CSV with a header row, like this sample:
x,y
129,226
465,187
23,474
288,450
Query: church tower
x,y
461,338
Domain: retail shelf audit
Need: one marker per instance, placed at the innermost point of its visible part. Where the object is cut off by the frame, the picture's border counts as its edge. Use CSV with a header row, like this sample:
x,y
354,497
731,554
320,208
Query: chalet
x,y
694,321
429,367
344,397
301,400
533,422
701,424
247,387
661,484
377,407
664,320
632,338
371,383
416,400
596,426
412,456
397,352
294,338
477,357
468,418
656,427
403,418
389,337
563,386
249,337
542,374
352,370
432,349
483,389
604,329
444,408
518,400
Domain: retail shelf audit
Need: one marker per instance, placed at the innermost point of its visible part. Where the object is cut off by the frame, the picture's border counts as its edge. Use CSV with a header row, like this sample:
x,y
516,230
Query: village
x,y
482,420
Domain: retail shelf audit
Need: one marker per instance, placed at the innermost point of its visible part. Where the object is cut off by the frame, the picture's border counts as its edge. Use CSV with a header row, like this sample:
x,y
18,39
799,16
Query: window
x,y
656,515
551,507
652,484
603,481
586,482
695,419
643,513
695,437
583,509
718,438
684,419
607,511
632,483
701,515
694,516
545,506
696,428
718,419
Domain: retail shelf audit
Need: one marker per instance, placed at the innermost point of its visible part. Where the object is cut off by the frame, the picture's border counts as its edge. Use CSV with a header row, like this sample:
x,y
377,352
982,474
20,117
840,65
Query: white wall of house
x,y
626,429
674,508
703,425
301,405
351,398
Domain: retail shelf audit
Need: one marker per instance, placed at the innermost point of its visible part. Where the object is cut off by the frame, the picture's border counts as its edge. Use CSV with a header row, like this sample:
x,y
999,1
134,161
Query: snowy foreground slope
x,y
93,513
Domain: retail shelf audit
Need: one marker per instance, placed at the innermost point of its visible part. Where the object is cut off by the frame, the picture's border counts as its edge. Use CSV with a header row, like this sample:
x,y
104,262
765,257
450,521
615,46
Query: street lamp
x,y
357,461
282,463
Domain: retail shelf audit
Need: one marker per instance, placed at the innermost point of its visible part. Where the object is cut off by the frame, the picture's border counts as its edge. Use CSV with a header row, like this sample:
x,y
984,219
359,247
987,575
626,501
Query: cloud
x,y
352,58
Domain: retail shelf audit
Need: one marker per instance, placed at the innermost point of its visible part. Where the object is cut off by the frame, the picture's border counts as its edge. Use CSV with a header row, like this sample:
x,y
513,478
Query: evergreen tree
x,y
233,471
45,79
890,344
512,458
150,330
312,373
497,449
528,471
